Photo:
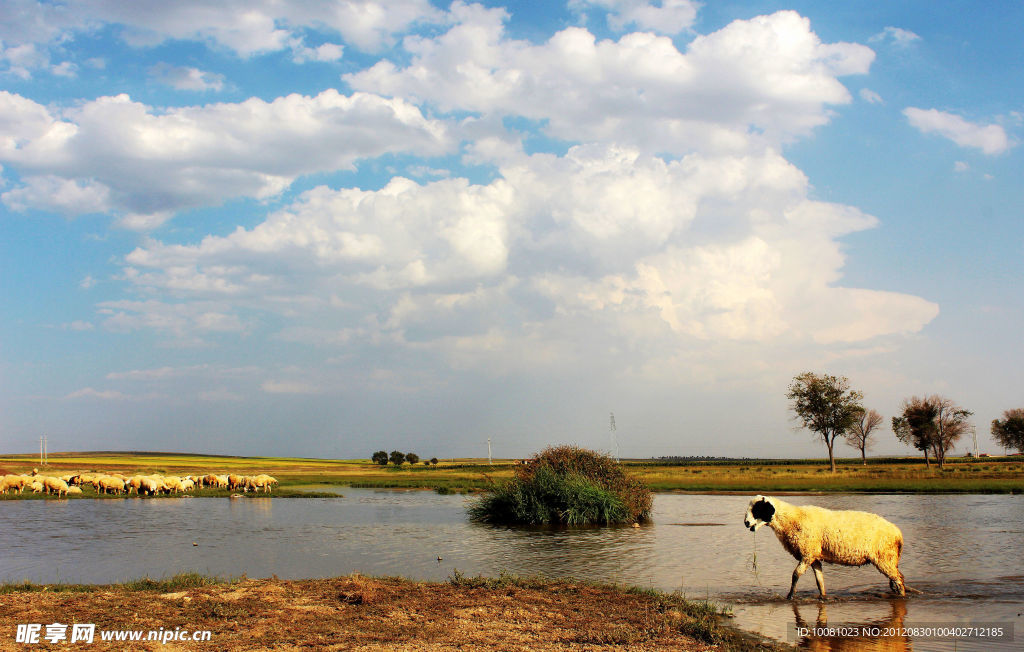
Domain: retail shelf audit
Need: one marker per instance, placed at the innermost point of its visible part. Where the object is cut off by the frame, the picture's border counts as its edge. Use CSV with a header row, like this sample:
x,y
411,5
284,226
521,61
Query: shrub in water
x,y
566,485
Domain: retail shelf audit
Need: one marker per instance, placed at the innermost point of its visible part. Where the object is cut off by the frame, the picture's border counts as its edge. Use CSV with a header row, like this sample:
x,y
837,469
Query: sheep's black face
x,y
759,512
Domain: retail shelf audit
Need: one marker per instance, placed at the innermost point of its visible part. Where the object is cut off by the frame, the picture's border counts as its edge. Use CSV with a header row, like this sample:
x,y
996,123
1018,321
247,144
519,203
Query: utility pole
x,y
44,450
974,433
489,461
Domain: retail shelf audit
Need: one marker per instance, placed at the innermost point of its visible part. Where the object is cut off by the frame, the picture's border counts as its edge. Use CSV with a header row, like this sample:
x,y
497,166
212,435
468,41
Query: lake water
x,y
965,553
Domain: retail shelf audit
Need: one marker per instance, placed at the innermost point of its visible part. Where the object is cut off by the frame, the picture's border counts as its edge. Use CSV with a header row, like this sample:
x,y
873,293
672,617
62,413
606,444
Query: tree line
x,y
829,407
399,458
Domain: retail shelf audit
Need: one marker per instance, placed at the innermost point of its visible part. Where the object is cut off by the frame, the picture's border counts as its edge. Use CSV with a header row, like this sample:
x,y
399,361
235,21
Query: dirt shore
x,y
356,613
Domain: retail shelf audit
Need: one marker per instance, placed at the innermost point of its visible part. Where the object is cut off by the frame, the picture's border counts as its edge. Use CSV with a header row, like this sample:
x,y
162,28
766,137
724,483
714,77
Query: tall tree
x,y
931,424
915,424
859,434
380,457
825,405
1010,431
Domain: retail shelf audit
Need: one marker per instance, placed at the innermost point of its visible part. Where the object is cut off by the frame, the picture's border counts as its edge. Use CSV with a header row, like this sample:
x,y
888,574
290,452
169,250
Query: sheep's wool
x,y
815,534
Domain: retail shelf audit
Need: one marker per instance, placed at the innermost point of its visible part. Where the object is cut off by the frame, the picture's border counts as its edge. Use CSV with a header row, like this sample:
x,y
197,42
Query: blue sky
x,y
286,228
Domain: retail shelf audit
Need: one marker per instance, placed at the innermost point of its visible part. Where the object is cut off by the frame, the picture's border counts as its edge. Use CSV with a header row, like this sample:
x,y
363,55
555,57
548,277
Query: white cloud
x,y
116,154
186,322
870,96
990,139
663,16
961,166
186,78
290,387
768,78
897,35
65,196
106,395
667,255
302,53
245,27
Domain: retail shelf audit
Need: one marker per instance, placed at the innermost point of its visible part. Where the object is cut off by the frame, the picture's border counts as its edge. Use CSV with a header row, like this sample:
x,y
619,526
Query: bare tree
x,y
859,434
825,405
931,424
1009,432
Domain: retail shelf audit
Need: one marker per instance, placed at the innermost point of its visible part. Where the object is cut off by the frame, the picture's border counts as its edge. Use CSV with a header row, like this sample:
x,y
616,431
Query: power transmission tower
x,y
615,441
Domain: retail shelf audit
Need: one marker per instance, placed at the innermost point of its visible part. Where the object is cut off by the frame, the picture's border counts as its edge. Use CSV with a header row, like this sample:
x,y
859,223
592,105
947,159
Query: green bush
x,y
565,485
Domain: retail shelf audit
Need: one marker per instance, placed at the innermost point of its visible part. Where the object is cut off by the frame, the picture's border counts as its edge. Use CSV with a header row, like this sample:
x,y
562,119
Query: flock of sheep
x,y
148,485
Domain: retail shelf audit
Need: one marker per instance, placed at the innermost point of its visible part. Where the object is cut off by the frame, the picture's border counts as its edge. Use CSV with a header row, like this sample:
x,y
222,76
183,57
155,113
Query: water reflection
x,y
878,635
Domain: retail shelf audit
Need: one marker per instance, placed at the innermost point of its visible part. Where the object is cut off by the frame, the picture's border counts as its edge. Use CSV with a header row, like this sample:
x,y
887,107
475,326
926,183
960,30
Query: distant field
x,y
961,475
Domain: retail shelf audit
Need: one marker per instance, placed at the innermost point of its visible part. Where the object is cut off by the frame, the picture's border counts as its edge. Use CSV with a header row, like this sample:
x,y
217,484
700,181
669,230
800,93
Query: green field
x,y
960,475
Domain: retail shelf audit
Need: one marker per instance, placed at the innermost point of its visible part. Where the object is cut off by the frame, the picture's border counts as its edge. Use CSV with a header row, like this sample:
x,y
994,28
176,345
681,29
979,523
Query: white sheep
x,y
149,486
110,483
815,534
55,485
12,482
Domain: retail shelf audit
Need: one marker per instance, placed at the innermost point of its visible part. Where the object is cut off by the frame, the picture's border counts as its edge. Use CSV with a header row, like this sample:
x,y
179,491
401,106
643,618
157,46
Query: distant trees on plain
x,y
398,458
828,406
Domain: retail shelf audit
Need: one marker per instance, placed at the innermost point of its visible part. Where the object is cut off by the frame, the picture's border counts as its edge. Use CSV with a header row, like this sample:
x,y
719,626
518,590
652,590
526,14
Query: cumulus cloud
x,y
666,227
663,16
66,196
245,27
704,248
769,78
116,154
186,78
990,139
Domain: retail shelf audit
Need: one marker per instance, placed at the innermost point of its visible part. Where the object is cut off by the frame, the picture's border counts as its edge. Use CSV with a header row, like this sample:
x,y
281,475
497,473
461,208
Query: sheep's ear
x,y
763,510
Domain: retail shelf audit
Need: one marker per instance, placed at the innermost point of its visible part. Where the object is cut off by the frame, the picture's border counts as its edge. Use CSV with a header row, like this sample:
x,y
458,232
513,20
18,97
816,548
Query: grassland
x,y
960,475
361,613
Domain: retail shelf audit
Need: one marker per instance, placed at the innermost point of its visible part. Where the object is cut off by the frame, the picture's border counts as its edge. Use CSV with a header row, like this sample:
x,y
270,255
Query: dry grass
x,y
357,613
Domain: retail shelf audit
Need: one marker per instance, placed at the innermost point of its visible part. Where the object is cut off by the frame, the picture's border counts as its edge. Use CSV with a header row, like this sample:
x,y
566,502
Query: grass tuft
x,y
565,485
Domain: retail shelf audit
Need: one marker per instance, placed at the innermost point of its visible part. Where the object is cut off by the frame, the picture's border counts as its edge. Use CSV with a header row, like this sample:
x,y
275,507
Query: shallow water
x,y
965,553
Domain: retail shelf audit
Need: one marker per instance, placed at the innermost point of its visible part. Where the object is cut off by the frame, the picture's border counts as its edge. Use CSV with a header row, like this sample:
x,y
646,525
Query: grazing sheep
x,y
235,481
222,481
55,485
110,483
74,490
815,534
188,484
133,484
263,481
36,487
15,482
172,483
149,486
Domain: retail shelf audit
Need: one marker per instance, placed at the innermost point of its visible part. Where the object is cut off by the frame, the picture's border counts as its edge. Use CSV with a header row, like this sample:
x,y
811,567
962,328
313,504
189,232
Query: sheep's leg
x,y
800,568
819,577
